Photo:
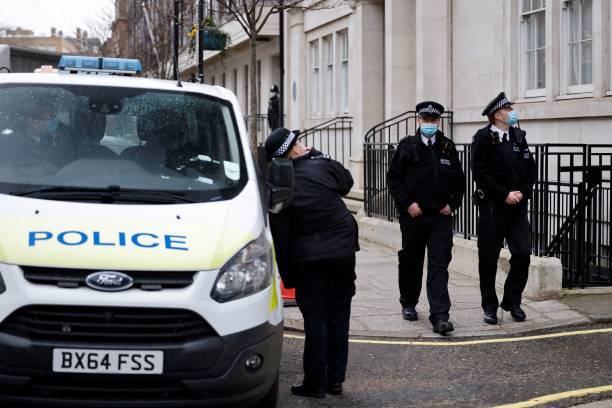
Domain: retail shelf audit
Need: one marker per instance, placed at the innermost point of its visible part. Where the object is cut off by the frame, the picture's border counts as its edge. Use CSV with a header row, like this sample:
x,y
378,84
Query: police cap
x,y
429,109
279,142
500,101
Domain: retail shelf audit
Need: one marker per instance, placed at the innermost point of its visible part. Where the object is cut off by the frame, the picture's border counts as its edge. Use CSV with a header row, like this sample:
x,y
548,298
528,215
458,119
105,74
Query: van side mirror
x,y
280,184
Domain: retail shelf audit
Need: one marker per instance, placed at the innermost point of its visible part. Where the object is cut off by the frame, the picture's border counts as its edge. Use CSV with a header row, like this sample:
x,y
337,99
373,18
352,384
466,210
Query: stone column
x,y
366,65
433,51
295,71
400,64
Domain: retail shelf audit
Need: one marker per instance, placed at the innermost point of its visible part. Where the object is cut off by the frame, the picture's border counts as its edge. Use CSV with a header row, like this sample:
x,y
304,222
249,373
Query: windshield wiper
x,y
109,194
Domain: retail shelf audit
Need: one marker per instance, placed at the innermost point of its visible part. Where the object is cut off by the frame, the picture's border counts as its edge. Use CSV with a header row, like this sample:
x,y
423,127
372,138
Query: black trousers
x,y
324,290
496,223
434,232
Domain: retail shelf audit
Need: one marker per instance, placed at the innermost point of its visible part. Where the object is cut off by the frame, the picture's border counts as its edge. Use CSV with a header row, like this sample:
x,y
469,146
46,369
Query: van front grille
x,y
107,324
74,278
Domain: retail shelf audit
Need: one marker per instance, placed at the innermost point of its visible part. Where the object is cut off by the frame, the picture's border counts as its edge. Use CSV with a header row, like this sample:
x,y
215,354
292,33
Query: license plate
x,y
108,361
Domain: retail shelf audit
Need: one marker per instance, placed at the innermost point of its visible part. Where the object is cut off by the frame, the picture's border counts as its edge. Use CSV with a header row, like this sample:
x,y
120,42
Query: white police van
x,y
136,263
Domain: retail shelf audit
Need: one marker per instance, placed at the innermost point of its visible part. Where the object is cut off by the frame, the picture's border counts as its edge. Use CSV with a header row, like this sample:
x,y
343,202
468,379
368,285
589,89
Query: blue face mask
x,y
52,126
512,118
429,129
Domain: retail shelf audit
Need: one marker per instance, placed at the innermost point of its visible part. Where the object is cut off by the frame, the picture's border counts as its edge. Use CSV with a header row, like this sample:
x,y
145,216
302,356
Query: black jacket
x,y
430,176
317,225
274,113
499,167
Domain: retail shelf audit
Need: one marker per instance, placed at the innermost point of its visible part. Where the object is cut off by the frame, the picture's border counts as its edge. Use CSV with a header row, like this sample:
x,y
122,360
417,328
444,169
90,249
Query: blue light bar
x,y
82,64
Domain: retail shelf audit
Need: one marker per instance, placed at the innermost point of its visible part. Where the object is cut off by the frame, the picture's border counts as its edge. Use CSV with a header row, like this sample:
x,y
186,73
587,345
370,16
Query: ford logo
x,y
108,281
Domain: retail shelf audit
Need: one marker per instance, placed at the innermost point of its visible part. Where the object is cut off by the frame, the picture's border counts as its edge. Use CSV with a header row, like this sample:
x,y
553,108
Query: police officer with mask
x,y
427,183
274,108
315,240
504,171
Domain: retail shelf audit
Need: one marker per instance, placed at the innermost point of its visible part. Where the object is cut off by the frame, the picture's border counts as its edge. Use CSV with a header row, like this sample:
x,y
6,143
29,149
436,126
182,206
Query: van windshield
x,y
73,142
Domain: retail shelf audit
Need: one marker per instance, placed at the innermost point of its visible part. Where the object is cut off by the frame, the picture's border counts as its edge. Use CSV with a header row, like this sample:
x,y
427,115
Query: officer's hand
x,y
518,195
511,199
414,210
446,210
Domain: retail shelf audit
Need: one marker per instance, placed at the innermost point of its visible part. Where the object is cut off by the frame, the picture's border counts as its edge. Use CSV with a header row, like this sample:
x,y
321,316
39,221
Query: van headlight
x,y
246,273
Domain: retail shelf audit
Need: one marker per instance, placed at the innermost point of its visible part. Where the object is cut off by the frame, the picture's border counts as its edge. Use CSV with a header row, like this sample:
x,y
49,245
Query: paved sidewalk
x,y
376,310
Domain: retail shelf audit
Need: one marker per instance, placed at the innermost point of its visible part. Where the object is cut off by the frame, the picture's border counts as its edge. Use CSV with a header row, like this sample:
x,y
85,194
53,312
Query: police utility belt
x,y
479,197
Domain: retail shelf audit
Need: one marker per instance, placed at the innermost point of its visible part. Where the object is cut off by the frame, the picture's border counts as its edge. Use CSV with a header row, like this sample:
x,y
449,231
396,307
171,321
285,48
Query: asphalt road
x,y
483,375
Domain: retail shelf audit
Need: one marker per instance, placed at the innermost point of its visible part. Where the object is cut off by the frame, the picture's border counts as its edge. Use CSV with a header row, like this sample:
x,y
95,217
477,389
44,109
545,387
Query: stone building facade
x,y
374,59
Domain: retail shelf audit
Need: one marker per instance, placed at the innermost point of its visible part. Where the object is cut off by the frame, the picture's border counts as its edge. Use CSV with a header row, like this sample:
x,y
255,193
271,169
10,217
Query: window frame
x,y
523,70
328,80
342,46
566,88
609,48
314,92
235,81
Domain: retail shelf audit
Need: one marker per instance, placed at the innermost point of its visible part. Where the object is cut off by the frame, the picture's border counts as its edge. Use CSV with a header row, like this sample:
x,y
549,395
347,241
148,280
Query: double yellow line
x,y
469,342
524,404
545,399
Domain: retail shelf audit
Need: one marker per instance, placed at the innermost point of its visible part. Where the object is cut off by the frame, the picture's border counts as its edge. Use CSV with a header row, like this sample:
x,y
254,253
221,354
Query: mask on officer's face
x,y
429,129
512,118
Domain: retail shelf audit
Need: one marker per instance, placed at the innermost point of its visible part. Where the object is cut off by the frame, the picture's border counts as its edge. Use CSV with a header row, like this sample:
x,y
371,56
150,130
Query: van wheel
x,y
271,398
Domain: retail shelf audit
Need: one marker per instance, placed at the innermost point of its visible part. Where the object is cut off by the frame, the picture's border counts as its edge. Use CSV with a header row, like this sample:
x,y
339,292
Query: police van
x,y
136,261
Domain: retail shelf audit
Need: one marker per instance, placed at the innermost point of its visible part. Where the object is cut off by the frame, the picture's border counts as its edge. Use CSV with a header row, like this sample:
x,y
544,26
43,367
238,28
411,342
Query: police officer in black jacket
x,y
505,172
315,240
427,183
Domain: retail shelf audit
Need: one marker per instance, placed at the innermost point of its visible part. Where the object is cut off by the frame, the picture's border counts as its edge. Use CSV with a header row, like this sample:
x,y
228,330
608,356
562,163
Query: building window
x,y
258,86
315,79
533,15
610,52
235,82
213,81
578,47
223,80
246,88
343,77
327,87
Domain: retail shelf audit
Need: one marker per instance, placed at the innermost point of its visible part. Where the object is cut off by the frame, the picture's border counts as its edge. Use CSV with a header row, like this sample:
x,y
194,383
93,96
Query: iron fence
x,y
333,137
569,212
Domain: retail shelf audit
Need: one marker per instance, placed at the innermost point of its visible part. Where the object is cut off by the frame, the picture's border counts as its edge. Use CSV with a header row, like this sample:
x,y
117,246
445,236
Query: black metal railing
x,y
263,129
333,137
569,213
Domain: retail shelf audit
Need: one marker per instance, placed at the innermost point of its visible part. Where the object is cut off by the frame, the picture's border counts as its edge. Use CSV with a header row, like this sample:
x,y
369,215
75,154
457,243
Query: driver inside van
x,y
89,129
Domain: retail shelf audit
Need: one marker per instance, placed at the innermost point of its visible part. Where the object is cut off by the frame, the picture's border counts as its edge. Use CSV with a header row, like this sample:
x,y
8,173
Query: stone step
x,y
355,194
353,205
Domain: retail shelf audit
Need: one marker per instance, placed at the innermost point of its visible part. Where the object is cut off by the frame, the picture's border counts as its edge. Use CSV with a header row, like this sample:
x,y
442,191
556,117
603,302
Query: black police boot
x,y
303,391
410,313
334,388
443,327
516,312
490,317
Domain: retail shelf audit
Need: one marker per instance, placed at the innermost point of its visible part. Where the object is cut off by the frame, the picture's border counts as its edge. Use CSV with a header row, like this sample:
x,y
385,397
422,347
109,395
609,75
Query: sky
x,y
66,15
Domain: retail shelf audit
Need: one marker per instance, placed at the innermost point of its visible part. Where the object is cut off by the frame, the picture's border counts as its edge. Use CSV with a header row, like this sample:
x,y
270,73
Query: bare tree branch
x,y
252,15
234,10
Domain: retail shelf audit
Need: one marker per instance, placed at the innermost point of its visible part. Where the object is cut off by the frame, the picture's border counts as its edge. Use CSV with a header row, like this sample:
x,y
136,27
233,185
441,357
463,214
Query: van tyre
x,y
269,400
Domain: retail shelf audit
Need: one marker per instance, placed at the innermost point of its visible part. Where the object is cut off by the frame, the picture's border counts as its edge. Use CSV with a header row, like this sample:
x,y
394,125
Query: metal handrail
x,y
326,124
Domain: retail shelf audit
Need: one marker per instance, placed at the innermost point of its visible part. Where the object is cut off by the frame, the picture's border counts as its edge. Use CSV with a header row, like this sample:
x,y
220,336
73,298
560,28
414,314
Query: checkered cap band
x,y
503,102
285,146
429,109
